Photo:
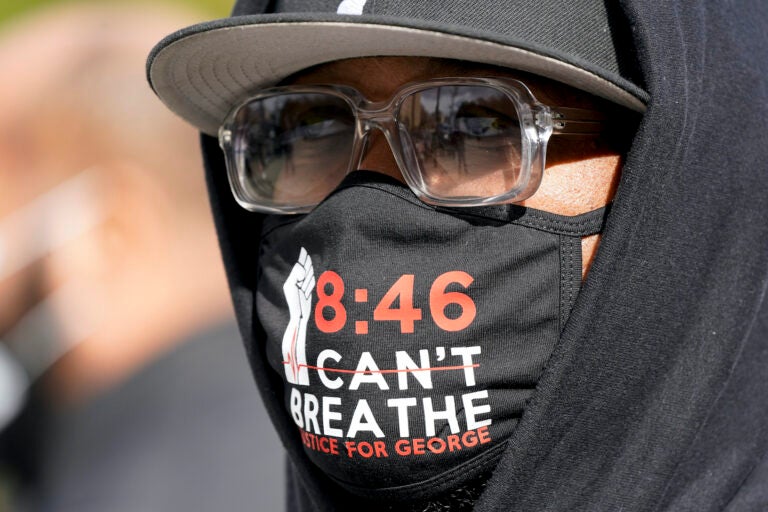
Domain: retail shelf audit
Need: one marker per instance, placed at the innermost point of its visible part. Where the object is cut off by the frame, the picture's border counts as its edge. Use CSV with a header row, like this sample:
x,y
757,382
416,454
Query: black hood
x,y
656,396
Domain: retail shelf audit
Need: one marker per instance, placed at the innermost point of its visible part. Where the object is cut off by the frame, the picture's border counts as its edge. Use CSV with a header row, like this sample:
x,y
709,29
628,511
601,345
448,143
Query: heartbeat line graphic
x,y
371,372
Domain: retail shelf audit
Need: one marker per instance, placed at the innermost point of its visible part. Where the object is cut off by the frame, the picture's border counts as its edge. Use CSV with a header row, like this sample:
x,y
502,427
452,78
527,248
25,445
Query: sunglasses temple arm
x,y
577,121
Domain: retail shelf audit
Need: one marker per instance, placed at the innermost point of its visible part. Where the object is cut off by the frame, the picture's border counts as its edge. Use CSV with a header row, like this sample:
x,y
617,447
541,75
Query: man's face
x,y
513,275
581,173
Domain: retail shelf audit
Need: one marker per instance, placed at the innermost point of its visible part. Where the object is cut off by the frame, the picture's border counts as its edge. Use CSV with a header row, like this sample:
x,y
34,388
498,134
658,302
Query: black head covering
x,y
656,397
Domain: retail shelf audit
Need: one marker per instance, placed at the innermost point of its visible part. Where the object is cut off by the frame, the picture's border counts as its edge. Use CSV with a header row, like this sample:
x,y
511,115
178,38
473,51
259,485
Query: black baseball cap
x,y
203,71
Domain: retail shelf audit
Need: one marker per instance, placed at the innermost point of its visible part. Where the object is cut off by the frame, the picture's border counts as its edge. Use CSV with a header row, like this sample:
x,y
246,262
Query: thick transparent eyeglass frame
x,y
538,122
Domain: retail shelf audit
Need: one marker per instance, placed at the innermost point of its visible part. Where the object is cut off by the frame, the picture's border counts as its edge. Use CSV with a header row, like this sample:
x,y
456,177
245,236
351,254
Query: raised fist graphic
x,y
298,294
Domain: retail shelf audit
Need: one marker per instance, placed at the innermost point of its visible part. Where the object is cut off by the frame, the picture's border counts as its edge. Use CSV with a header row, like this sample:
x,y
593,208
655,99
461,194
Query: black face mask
x,y
410,337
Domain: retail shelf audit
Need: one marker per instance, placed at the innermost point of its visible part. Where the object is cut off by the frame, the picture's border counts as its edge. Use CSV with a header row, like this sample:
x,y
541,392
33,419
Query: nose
x,y
378,156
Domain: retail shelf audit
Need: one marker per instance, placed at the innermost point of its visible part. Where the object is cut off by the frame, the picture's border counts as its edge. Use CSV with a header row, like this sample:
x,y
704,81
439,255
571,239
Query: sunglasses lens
x,y
292,150
466,139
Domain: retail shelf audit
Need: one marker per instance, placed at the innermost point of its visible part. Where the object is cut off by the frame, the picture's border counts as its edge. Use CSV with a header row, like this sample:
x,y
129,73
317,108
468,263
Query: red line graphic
x,y
371,372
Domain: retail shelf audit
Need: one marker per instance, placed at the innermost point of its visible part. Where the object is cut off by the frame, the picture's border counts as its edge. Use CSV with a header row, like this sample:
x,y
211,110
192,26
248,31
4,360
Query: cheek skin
x,y
588,249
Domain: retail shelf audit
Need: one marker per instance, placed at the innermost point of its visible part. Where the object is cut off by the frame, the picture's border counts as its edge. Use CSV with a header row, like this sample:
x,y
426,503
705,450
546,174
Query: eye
x,y
313,124
480,121
318,121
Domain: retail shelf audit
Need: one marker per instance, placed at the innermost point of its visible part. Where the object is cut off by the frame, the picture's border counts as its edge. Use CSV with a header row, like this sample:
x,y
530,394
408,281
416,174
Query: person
x,y
125,386
498,256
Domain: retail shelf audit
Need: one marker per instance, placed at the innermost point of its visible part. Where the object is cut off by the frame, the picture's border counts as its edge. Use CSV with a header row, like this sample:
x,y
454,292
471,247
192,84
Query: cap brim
x,y
203,71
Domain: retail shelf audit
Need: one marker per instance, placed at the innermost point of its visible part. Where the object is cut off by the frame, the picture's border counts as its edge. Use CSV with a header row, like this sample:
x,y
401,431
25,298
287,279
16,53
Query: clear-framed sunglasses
x,y
457,141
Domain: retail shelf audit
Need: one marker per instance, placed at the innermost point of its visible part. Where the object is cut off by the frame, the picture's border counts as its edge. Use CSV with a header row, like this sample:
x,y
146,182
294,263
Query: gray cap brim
x,y
204,71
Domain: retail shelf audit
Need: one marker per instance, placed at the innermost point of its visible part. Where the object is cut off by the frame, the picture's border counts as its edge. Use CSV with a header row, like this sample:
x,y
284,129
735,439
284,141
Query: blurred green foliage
x,y
209,9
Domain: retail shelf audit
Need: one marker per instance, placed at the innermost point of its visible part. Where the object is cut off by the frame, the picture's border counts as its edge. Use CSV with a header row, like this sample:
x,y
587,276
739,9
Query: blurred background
x,y
123,382
200,9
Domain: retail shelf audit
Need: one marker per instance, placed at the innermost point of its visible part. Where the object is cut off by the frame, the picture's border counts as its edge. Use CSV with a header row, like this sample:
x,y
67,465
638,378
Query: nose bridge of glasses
x,y
375,112
378,116
385,125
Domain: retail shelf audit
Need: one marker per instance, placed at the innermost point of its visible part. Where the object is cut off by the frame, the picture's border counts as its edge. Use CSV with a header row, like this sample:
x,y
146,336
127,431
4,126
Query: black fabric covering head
x,y
655,398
